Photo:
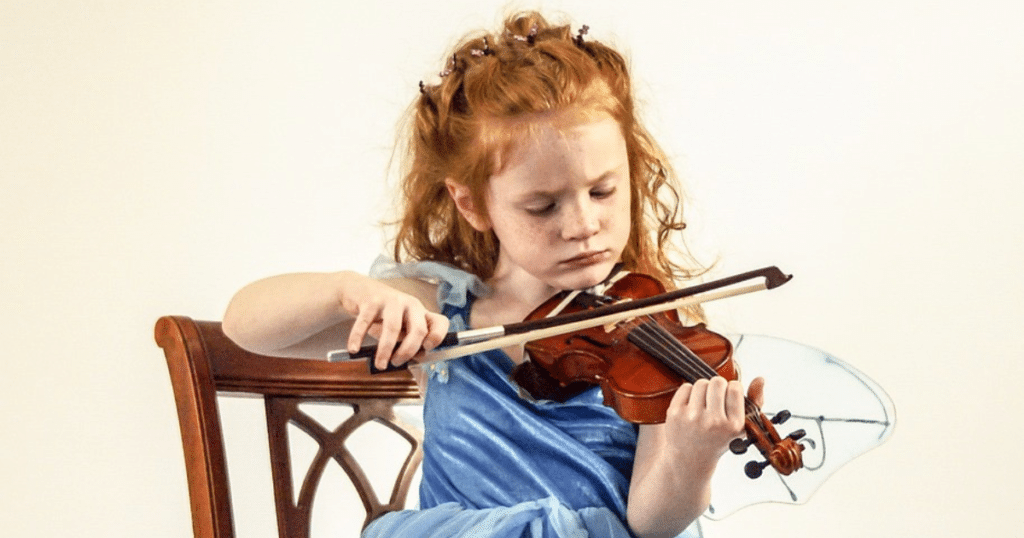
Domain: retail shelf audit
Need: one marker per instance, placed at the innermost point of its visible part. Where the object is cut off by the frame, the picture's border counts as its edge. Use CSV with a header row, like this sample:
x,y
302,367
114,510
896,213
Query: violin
x,y
630,341
639,364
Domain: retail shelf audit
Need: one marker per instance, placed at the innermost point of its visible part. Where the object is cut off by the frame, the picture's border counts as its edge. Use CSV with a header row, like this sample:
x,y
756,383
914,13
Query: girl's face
x,y
560,205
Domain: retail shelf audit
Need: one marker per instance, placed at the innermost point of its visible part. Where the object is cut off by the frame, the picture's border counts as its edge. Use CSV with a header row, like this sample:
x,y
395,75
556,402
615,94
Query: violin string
x,y
667,347
663,347
657,341
662,344
680,355
682,359
643,337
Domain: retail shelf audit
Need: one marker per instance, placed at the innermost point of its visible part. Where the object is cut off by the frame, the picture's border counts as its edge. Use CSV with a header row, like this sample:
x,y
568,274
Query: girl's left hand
x,y
671,483
705,416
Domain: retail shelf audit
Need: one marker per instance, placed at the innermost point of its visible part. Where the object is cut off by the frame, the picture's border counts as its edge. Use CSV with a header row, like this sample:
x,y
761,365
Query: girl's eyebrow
x,y
541,193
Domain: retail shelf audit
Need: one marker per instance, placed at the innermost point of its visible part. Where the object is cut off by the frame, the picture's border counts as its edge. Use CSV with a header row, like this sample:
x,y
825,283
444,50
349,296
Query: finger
x,y
699,394
357,334
437,329
735,410
415,331
715,395
756,391
390,329
682,396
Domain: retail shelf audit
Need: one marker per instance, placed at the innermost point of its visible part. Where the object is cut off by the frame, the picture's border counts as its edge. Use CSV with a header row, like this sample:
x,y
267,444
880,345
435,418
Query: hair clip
x,y
482,52
579,37
448,70
530,37
425,93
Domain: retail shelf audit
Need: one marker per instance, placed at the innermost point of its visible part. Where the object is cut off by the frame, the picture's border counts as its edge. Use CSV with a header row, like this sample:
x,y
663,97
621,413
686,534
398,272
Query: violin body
x,y
640,363
637,385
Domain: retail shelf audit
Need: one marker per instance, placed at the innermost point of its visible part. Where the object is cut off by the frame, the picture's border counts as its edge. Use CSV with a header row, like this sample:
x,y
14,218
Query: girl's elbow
x,y
238,330
234,330
231,324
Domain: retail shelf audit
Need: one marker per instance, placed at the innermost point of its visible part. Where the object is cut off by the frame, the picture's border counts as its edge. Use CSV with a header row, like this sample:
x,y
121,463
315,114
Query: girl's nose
x,y
581,221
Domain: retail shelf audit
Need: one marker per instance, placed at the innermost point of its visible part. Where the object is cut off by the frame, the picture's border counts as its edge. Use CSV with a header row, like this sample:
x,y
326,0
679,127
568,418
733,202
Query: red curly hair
x,y
493,88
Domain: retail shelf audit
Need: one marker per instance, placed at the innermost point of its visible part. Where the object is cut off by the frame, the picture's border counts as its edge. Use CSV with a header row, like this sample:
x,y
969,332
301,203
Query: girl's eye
x,y
540,210
600,194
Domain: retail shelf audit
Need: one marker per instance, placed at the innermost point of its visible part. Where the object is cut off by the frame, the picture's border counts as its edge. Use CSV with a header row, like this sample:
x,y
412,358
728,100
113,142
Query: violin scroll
x,y
785,455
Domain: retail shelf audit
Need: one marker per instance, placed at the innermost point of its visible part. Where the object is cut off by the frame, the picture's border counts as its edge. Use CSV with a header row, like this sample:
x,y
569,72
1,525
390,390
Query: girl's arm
x,y
309,314
671,483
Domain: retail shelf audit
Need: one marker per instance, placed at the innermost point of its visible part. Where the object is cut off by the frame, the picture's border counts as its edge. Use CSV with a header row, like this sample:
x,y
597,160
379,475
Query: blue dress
x,y
497,465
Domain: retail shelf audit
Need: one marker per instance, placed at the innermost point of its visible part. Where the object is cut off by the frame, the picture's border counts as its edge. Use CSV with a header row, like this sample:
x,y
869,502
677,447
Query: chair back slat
x,y
203,363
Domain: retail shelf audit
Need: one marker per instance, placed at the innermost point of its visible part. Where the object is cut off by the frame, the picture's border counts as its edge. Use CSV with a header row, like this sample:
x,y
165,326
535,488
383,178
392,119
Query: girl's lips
x,y
586,259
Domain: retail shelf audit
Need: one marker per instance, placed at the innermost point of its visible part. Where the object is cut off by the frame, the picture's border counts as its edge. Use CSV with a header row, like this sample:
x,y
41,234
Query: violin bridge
x,y
609,327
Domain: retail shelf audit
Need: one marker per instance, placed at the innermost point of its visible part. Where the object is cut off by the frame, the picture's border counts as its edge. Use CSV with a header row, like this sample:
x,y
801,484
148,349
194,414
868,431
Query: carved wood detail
x,y
203,363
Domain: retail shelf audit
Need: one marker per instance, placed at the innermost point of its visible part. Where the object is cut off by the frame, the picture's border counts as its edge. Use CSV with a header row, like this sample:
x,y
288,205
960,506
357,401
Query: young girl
x,y
529,173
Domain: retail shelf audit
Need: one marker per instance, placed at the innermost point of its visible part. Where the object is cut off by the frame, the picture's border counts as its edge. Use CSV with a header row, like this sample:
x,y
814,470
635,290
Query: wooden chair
x,y
204,363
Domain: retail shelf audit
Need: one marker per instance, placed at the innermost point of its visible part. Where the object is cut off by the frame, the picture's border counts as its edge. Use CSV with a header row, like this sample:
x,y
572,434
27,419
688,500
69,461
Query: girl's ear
x,y
463,199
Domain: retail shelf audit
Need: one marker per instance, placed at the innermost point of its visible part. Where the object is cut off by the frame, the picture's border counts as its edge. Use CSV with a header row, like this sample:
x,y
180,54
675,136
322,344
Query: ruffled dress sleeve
x,y
496,465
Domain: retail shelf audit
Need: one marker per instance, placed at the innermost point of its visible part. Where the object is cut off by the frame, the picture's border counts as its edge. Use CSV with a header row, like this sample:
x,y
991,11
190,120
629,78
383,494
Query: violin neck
x,y
656,341
651,337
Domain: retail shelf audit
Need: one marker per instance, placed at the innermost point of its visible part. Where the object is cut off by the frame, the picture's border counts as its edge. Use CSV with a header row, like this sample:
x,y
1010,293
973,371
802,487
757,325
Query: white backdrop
x,y
156,156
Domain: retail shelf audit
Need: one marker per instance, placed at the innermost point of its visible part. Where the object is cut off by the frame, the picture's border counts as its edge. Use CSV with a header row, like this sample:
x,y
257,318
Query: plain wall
x,y
156,156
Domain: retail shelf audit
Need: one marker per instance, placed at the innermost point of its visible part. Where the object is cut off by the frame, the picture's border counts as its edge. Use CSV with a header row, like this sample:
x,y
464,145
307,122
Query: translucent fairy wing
x,y
843,412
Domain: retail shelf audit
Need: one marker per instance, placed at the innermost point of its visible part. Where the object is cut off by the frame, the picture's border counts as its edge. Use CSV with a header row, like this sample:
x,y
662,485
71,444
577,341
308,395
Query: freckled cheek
x,y
533,236
512,231
619,227
532,242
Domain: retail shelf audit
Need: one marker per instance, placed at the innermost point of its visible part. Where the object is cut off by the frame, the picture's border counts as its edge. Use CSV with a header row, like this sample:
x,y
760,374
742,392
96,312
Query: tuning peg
x,y
739,446
797,435
754,468
781,417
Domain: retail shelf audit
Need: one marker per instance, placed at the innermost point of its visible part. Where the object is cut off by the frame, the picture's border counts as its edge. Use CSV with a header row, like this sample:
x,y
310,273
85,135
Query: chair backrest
x,y
204,363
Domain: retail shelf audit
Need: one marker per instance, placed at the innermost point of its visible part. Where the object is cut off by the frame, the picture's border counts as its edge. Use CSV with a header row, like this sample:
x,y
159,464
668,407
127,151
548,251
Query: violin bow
x,y
462,343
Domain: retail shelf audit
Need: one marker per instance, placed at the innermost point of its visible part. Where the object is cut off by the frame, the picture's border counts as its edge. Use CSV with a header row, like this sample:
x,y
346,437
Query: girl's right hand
x,y
393,317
